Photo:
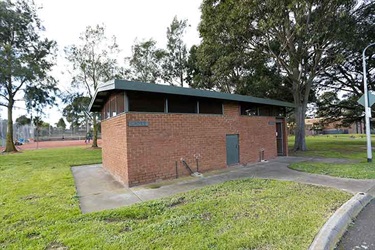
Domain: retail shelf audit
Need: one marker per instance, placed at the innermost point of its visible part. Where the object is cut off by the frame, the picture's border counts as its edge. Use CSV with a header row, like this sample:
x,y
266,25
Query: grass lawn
x,y
39,209
351,147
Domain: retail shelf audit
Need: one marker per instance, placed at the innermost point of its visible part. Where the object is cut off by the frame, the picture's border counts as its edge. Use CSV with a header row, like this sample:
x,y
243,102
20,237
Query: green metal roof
x,y
104,90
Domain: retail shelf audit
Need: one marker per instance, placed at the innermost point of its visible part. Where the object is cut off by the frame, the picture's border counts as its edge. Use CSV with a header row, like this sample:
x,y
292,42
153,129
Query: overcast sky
x,y
64,20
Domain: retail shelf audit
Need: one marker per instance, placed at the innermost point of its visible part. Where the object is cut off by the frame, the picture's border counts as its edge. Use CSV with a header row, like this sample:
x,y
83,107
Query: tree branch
x,y
4,96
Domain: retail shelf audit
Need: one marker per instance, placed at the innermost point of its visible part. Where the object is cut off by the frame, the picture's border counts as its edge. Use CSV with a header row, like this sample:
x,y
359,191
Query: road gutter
x,y
332,231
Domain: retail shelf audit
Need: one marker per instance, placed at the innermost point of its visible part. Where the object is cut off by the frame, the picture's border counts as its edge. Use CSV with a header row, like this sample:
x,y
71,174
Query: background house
x,y
315,126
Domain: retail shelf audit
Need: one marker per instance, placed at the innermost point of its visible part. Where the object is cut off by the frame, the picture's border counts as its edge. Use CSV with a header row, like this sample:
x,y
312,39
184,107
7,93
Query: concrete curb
x,y
332,231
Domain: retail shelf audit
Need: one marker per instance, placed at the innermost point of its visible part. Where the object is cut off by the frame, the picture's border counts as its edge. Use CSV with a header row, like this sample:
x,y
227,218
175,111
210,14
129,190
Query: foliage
x,y
346,69
345,75
227,67
350,147
23,120
224,59
38,123
94,61
197,76
45,125
175,62
345,110
145,62
38,99
76,112
40,210
61,124
290,37
25,60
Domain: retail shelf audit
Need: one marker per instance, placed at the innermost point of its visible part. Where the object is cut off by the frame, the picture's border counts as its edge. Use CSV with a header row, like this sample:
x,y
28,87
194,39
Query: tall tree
x,y
175,61
193,70
38,99
94,61
255,78
224,62
38,123
345,73
344,110
25,59
76,111
23,120
145,61
199,75
62,125
293,35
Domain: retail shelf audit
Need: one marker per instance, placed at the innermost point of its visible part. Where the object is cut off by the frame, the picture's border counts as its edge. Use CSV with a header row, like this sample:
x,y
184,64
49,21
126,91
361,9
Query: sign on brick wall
x,y
138,124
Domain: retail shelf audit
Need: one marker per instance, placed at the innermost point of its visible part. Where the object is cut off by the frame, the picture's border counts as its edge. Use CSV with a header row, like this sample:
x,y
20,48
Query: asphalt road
x,y
361,235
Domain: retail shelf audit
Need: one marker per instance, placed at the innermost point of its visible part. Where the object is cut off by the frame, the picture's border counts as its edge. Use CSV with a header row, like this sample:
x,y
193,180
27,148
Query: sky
x,y
65,20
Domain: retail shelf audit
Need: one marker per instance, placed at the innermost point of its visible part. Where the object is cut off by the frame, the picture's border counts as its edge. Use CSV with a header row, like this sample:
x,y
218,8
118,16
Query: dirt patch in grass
x,y
176,202
56,246
94,148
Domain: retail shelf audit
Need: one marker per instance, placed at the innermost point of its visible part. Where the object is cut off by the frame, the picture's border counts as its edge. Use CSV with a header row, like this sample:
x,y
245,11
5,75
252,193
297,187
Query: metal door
x,y
279,139
232,149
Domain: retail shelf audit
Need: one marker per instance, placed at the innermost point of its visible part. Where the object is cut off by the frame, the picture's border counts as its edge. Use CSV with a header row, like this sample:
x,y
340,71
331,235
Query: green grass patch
x,y
334,146
355,171
39,209
351,147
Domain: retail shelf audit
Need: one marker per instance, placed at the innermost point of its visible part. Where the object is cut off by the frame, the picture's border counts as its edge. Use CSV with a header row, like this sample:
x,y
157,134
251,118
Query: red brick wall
x,y
114,147
152,151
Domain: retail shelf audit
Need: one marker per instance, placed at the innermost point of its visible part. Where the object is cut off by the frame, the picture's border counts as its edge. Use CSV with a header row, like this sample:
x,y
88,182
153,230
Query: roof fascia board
x,y
166,89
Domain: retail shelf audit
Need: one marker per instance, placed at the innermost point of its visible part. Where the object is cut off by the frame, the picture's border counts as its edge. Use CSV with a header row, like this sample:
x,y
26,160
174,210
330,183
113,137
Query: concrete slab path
x,y
97,190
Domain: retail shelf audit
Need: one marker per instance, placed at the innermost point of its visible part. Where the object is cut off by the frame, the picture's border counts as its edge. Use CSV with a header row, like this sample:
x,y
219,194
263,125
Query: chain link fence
x,y
28,133
56,134
3,131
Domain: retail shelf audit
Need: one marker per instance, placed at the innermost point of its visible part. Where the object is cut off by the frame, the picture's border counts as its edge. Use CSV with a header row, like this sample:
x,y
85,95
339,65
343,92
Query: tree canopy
x,y
175,61
94,61
61,124
76,111
253,39
145,61
342,81
23,120
25,59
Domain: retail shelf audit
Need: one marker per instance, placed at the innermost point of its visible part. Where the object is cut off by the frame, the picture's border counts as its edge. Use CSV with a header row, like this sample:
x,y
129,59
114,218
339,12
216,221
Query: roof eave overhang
x,y
104,89
100,95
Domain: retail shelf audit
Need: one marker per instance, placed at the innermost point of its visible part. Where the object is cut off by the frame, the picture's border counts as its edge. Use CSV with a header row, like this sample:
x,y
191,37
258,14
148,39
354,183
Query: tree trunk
x,y
300,142
181,79
9,146
37,137
95,132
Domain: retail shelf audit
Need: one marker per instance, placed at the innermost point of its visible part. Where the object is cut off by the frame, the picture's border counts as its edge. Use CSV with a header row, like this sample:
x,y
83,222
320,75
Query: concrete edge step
x,y
332,231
